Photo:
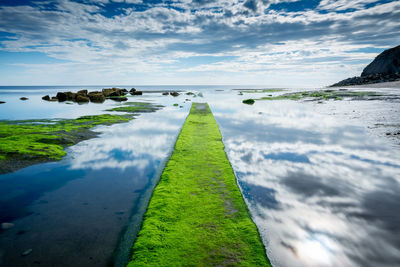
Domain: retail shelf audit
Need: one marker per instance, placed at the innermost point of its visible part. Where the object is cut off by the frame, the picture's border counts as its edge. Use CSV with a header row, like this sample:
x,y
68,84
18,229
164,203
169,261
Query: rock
x,y
248,101
165,93
124,91
189,93
80,98
118,98
174,93
24,98
6,225
387,63
137,93
82,92
61,97
53,99
96,97
27,252
132,90
70,96
46,97
2,102
111,92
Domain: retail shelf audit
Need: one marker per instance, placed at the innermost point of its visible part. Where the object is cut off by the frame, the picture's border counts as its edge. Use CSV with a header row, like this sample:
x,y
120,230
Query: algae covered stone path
x,y
197,216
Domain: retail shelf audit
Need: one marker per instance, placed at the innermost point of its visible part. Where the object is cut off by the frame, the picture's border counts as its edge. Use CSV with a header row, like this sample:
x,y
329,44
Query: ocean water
x,y
321,180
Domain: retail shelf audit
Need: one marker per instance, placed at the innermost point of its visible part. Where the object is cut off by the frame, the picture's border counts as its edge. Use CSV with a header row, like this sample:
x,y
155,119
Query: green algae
x,y
323,95
135,107
26,142
197,216
261,91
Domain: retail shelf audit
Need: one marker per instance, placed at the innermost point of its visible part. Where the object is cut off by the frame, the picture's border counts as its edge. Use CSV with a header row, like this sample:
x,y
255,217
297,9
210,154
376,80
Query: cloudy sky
x,y
242,42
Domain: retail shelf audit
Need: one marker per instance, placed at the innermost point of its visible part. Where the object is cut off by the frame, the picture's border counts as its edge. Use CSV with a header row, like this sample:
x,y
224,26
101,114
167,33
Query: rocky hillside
x,y
384,68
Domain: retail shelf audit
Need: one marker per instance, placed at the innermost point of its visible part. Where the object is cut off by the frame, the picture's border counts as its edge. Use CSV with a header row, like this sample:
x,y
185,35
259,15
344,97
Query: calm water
x,y
322,187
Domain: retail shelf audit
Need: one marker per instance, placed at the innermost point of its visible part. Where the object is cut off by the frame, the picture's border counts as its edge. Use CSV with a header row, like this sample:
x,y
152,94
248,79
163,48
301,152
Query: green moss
x,y
261,91
322,95
175,105
248,101
134,107
23,143
197,216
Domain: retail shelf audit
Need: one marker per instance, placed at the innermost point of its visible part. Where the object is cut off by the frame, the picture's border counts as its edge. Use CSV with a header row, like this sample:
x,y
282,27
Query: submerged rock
x,y
165,93
2,102
6,225
118,98
174,93
46,97
27,252
24,98
137,93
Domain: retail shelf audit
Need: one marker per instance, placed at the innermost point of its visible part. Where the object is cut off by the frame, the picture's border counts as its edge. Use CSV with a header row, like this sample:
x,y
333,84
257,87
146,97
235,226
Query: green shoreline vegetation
x,y
321,95
27,142
197,216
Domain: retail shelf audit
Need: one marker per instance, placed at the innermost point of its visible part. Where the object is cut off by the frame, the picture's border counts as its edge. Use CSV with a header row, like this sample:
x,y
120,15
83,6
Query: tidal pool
x,y
322,188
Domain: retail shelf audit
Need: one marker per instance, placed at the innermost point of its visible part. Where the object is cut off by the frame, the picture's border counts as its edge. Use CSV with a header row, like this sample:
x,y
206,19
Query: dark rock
x,y
24,98
112,92
82,92
132,90
137,93
53,98
387,63
80,98
118,98
70,96
96,97
46,97
2,102
384,68
248,101
165,93
61,96
174,93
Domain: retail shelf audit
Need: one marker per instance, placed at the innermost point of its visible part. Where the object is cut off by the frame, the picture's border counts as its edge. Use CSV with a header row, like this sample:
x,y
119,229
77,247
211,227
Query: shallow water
x,y
322,189
321,180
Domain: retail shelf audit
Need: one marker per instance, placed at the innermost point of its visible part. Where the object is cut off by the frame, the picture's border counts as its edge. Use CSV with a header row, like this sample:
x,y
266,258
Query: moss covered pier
x,y
197,216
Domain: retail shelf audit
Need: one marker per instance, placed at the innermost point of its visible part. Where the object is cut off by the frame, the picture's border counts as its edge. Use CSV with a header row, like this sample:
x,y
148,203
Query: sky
x,y
192,42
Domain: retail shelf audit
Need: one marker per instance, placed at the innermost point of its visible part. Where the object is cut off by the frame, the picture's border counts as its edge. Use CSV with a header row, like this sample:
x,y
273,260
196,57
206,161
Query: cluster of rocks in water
x,y
84,96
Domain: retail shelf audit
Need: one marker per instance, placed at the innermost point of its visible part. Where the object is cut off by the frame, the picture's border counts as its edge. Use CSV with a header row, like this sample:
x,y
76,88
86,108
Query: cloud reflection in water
x,y
139,143
322,192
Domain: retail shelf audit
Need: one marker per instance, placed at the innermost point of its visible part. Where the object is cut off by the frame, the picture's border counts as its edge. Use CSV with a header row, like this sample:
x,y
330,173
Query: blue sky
x,y
242,42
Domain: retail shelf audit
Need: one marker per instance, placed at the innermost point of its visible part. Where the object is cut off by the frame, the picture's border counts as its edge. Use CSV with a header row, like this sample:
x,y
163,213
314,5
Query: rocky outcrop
x,y
384,68
83,96
386,63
